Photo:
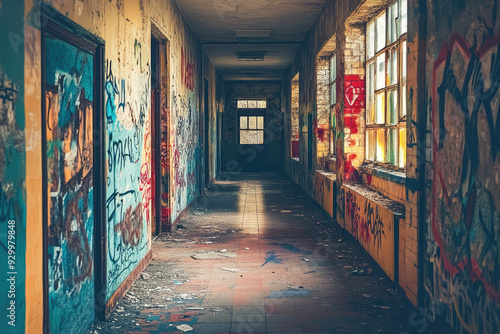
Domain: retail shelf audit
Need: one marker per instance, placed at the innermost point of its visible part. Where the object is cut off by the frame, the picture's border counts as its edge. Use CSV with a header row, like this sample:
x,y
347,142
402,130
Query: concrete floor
x,y
282,266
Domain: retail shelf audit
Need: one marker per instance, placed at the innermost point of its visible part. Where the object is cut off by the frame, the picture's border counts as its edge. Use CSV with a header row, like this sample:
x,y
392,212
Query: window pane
x,y
370,93
380,24
403,17
402,147
260,137
333,94
248,137
370,145
260,123
392,67
262,104
252,104
242,104
380,72
404,55
392,146
392,105
380,153
380,108
252,123
403,101
403,79
333,68
332,133
243,122
370,40
392,33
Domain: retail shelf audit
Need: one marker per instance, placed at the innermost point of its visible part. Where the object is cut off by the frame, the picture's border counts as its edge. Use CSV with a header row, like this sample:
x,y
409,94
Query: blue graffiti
x,y
292,248
271,257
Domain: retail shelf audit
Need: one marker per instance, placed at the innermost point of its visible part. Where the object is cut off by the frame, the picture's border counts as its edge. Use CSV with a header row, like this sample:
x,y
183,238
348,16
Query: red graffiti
x,y
145,187
355,94
364,231
187,71
350,173
295,148
351,123
456,203
321,131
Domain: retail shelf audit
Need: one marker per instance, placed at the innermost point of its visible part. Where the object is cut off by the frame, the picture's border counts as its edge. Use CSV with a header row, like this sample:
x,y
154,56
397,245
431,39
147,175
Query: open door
x,y
72,177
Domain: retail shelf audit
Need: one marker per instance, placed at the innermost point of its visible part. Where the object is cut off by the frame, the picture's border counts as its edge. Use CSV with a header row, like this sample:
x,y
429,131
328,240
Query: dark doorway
x,y
206,130
251,139
155,137
73,175
219,140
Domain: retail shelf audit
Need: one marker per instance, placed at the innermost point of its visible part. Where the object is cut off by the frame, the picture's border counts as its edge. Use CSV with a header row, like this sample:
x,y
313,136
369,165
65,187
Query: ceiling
x,y
215,21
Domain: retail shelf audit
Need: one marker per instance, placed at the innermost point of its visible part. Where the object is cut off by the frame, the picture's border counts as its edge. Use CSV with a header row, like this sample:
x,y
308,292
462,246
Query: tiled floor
x,y
292,270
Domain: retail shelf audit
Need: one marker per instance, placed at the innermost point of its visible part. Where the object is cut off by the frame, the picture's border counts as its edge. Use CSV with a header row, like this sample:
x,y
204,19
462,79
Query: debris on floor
x,y
275,267
212,255
362,272
184,328
233,270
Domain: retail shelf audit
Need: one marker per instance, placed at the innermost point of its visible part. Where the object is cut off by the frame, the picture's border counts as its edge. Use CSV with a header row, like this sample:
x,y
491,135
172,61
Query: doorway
x,y
155,136
207,134
73,176
251,140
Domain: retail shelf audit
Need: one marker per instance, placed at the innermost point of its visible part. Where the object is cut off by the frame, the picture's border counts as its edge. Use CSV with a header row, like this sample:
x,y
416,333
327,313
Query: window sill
x,y
327,174
330,164
385,173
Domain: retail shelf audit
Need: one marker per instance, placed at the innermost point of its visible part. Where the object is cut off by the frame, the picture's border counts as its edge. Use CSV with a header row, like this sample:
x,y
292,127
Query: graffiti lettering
x,y
187,71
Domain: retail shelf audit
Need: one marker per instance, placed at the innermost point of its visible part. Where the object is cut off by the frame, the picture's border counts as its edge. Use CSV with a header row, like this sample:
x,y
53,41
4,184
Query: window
x,y
333,101
252,104
251,130
386,85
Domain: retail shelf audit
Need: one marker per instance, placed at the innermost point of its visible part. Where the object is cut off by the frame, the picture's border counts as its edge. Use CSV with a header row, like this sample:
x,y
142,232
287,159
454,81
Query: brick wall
x,y
322,117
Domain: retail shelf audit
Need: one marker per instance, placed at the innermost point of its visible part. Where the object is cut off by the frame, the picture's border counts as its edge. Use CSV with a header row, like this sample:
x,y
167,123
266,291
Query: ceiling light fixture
x,y
258,35
250,56
253,33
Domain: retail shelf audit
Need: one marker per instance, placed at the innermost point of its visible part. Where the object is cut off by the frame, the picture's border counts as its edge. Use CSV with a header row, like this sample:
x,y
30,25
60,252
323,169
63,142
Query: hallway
x,y
287,269
309,166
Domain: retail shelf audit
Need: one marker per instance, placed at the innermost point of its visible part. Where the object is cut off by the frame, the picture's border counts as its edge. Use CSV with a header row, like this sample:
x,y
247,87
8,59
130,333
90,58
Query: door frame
x,y
68,31
258,112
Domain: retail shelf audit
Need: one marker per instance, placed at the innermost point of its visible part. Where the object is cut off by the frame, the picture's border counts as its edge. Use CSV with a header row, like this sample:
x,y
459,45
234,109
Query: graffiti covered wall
x,y
126,28
12,170
128,183
69,111
185,135
324,192
463,240
372,219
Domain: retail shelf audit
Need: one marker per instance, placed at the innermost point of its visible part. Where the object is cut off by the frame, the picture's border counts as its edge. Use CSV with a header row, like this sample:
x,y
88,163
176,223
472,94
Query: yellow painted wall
x,y
372,223
324,191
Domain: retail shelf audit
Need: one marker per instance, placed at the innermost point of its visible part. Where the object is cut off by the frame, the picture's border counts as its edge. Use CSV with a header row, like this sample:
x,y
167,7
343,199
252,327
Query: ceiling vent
x,y
249,36
252,73
253,56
